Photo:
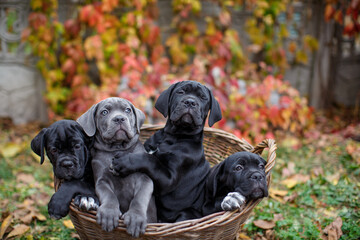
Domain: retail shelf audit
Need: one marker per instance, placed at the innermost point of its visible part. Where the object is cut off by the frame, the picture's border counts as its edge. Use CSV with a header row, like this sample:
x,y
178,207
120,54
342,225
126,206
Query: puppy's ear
x,y
162,103
215,176
87,121
263,161
38,144
215,111
139,117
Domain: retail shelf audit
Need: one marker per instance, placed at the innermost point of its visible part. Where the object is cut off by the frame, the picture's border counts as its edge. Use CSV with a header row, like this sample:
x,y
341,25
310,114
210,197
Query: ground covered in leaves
x,y
314,191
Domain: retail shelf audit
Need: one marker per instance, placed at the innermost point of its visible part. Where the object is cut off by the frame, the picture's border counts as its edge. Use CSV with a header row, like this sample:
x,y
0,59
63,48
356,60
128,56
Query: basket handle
x,y
271,144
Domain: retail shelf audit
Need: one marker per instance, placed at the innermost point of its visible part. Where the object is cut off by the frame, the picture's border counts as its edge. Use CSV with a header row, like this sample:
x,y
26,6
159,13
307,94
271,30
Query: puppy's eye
x,y
239,167
127,110
77,146
261,166
53,150
202,96
181,92
104,112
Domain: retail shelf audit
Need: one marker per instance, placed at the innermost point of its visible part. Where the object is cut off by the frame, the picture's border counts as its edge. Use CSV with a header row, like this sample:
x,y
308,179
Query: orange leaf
x,y
68,224
5,224
329,12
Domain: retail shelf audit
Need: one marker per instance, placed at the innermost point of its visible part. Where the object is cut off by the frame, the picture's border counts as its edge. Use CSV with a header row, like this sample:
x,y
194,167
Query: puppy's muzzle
x,y
118,119
256,176
190,103
67,163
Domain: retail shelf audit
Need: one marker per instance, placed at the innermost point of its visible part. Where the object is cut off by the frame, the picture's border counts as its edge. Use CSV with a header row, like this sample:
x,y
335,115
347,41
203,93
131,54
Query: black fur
x,y
67,148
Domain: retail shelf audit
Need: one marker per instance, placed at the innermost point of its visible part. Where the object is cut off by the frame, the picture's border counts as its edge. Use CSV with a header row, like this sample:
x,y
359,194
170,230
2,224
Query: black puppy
x,y
67,148
176,162
235,181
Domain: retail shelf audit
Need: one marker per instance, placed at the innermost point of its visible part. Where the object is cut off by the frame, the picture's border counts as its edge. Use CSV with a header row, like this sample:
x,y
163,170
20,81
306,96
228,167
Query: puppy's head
x,y
242,172
67,148
187,104
114,120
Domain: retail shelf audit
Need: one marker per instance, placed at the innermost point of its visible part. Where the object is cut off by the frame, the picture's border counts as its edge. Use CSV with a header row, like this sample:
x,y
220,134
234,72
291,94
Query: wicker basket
x,y
218,145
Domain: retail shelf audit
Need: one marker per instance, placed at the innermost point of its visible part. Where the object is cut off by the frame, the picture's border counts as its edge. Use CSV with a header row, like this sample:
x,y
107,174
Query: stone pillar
x,y
21,85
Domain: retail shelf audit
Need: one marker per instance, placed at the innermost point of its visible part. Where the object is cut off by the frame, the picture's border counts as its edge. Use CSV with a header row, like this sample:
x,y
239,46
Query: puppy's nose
x,y
190,102
119,119
256,176
67,164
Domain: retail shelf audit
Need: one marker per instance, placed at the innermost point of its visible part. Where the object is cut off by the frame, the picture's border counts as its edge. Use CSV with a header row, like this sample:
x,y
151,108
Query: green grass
x,y
319,201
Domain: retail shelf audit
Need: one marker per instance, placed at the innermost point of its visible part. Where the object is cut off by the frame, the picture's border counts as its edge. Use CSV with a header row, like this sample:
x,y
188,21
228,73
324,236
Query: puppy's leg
x,y
108,214
232,201
135,218
58,206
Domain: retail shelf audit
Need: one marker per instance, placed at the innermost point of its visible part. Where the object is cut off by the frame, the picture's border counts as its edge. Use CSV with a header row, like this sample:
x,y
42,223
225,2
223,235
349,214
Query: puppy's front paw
x,y
135,223
119,166
232,201
108,218
86,203
57,208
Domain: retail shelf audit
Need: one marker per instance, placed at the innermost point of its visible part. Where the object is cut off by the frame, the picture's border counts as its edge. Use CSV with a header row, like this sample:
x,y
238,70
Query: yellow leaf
x,y
40,217
289,183
36,157
18,230
36,4
5,224
280,193
10,150
243,236
68,224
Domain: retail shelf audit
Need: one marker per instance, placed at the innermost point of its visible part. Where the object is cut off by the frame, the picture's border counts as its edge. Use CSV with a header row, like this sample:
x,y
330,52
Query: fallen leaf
x,y
277,192
27,218
270,234
243,236
75,235
291,198
289,170
295,179
4,203
333,179
10,150
333,230
263,224
40,217
25,178
68,224
5,224
19,230
278,217
317,171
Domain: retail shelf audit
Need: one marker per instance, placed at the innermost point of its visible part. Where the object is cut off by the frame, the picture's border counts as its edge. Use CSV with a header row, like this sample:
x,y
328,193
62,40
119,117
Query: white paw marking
x,y
232,201
88,203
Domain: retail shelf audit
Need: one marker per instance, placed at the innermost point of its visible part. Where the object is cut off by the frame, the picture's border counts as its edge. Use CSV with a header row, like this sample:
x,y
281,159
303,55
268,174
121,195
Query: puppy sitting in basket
x,y
116,123
175,160
238,179
68,149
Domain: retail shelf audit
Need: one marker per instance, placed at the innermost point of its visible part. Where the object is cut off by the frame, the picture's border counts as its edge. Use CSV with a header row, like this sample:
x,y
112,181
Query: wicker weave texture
x,y
218,145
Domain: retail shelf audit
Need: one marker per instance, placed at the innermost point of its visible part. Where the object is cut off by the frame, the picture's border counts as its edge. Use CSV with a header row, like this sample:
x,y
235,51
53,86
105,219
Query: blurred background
x,y
282,69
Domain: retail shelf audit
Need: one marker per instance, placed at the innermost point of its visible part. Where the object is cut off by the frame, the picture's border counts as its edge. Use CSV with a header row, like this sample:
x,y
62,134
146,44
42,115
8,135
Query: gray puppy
x,y
115,123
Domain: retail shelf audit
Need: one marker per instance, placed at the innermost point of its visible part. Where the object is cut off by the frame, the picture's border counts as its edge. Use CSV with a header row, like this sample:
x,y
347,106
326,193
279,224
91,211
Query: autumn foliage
x,y
115,48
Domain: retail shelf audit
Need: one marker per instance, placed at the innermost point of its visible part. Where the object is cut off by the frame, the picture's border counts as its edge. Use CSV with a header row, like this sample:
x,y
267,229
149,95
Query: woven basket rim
x,y
218,218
